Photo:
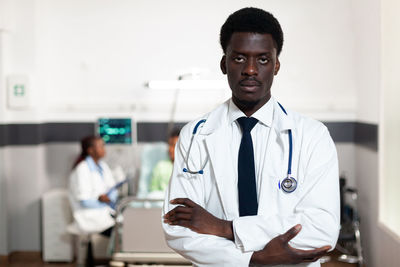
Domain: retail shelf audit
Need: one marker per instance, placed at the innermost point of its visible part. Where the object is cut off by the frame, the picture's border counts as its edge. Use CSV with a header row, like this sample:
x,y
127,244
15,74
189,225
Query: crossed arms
x,y
277,251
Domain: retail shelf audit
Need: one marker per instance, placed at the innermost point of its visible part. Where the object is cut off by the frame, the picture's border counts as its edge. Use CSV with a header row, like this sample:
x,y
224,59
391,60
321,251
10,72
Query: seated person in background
x,y
163,169
91,183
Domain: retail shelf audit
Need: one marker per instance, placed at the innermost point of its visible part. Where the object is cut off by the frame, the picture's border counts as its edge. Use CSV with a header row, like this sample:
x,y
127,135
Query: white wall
x,y
367,32
389,215
368,20
82,56
3,189
390,118
373,18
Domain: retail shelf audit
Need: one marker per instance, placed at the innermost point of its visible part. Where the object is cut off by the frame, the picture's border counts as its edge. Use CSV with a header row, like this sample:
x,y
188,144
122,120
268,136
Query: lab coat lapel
x,y
221,165
276,161
218,150
273,169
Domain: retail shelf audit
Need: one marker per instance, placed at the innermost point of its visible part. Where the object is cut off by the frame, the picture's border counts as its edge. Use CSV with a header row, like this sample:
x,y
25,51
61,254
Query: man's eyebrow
x,y
237,52
265,53
268,53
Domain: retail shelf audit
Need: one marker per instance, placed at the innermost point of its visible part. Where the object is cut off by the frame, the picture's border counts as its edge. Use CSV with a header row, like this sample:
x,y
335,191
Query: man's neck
x,y
249,108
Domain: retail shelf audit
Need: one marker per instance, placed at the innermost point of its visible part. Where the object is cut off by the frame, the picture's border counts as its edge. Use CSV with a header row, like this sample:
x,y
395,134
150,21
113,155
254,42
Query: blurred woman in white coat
x,y
91,184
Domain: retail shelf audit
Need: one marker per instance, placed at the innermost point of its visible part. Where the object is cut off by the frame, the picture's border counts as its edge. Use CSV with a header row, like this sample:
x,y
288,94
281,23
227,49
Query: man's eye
x,y
239,59
263,60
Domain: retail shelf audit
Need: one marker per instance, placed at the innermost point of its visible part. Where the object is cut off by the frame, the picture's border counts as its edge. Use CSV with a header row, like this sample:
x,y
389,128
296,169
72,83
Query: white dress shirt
x,y
259,136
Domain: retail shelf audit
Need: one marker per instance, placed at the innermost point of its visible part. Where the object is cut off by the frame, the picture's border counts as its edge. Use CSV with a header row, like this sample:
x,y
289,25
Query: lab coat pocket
x,y
287,194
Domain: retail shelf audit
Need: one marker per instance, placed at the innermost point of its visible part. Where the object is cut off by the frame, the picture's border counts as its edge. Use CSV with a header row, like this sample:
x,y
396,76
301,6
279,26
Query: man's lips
x,y
249,86
249,83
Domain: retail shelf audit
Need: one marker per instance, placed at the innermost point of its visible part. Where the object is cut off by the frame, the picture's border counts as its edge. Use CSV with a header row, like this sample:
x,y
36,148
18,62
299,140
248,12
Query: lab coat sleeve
x,y
80,185
317,210
92,204
113,195
201,249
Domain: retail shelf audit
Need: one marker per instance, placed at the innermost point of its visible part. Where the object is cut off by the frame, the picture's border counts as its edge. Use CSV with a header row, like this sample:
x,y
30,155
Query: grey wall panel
x,y
21,134
25,134
154,131
67,132
366,134
3,135
32,134
341,131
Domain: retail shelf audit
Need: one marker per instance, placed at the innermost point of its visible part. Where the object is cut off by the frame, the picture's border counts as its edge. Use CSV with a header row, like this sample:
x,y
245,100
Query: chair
x,y
56,215
88,246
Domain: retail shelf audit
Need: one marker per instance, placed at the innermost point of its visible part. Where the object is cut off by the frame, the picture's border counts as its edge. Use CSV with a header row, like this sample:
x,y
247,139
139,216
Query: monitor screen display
x,y
115,131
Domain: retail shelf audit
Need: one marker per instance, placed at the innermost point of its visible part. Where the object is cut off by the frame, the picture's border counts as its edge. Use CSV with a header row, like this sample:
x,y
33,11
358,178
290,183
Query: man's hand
x,y
104,198
194,217
278,251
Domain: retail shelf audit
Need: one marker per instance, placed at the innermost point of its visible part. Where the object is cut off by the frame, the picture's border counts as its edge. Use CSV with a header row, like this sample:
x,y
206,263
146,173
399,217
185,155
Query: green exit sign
x,y
19,90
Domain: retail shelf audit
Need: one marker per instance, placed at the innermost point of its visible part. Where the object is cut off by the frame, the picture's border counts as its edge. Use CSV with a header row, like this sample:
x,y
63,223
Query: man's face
x,y
250,62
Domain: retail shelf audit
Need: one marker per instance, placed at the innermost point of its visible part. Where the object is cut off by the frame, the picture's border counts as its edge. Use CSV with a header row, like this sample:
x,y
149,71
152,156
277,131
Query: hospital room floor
x,y
34,260
41,264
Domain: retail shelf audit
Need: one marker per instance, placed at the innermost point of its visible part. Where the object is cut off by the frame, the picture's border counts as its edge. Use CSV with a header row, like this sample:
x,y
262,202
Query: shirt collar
x,y
93,166
263,115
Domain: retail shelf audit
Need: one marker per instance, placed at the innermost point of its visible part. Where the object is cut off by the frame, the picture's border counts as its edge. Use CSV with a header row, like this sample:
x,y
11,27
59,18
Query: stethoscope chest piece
x,y
289,184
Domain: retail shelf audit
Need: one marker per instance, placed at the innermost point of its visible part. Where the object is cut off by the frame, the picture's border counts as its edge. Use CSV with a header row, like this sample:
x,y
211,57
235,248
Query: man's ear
x,y
277,66
223,64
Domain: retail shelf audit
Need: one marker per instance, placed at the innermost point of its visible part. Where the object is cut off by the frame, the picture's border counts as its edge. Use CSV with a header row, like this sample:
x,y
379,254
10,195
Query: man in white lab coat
x,y
257,184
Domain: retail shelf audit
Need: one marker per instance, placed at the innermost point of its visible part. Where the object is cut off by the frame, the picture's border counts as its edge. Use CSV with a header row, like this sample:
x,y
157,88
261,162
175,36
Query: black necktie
x,y
246,172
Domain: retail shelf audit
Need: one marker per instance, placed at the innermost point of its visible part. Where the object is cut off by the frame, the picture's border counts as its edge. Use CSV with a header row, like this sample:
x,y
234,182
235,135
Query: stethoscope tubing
x,y
187,169
289,171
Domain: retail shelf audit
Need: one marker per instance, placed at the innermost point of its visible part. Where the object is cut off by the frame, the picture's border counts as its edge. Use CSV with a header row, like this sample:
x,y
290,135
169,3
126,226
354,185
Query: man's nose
x,y
250,68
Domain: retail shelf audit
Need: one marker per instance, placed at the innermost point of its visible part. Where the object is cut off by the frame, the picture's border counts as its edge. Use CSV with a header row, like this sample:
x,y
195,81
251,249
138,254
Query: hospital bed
x,y
142,239
138,234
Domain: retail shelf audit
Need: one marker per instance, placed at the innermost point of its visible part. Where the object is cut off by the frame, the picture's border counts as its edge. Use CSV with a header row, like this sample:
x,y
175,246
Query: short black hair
x,y
251,19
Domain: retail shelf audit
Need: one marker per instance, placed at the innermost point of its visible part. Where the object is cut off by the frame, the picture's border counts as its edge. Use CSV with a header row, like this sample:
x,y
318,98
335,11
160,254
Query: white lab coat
x,y
314,204
85,184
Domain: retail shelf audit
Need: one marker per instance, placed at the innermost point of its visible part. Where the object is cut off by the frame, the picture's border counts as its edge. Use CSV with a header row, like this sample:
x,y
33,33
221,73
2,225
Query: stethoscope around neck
x,y
288,184
187,169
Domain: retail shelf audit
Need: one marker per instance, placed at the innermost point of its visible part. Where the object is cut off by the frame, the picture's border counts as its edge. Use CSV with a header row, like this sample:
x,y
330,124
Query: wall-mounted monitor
x,y
115,131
